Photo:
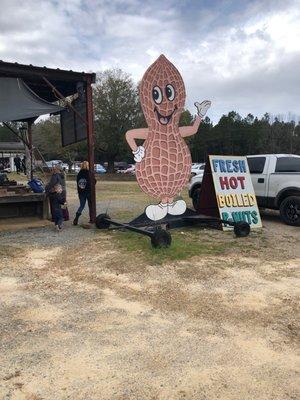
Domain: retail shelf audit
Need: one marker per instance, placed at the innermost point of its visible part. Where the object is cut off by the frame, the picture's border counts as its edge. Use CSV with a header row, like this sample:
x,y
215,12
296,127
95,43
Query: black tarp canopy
x,y
18,102
30,82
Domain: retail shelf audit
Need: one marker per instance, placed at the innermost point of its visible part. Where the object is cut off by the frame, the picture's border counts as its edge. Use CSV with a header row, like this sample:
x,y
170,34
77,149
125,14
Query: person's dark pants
x,y
54,206
83,198
58,216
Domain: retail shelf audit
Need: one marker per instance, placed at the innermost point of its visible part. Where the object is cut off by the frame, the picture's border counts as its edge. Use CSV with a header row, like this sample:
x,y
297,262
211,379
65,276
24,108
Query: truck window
x,y
256,164
288,164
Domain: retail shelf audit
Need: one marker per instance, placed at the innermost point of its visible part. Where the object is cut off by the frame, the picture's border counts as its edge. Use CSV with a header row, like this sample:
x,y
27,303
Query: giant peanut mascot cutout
x,y
163,163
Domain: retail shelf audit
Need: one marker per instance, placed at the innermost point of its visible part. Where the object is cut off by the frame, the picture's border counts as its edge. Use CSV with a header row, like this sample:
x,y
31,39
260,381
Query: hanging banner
x,y
234,191
73,129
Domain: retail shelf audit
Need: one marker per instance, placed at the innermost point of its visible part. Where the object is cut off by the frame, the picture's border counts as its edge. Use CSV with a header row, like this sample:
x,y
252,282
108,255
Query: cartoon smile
x,y
164,120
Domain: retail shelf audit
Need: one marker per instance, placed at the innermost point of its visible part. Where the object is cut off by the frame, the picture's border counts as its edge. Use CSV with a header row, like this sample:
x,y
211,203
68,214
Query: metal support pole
x,y
129,227
29,132
90,137
91,147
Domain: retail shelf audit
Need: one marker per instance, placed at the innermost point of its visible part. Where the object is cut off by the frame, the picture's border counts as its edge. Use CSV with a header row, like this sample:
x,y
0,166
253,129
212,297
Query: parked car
x,y
130,170
121,169
65,167
276,183
76,167
120,166
99,169
197,169
52,163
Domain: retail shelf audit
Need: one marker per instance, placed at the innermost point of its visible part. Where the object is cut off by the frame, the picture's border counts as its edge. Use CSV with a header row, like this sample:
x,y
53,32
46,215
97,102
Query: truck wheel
x,y
161,238
196,198
241,229
102,221
290,210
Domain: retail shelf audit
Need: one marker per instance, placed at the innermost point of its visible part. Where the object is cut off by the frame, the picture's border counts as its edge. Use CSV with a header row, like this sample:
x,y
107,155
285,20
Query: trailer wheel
x,y
241,229
290,210
102,221
161,238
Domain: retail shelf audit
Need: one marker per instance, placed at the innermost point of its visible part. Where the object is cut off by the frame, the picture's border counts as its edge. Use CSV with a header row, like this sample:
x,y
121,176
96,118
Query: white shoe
x,y
177,208
157,211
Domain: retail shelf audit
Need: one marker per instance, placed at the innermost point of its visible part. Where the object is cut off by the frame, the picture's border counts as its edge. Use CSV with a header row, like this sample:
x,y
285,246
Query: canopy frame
x,y
47,83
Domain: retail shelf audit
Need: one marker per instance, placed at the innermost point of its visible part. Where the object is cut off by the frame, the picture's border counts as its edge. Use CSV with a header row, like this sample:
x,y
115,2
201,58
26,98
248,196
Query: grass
x,y
185,244
131,201
125,201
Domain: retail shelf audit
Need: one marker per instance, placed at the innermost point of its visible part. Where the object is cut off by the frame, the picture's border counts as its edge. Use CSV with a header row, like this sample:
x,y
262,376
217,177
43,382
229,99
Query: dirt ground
x,y
88,314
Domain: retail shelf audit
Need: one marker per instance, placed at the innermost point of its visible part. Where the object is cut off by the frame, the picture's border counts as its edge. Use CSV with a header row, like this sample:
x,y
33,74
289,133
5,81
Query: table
x,y
24,205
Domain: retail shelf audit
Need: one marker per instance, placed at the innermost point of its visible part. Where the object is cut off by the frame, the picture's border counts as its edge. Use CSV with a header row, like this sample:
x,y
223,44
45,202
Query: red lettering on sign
x,y
233,182
224,182
241,179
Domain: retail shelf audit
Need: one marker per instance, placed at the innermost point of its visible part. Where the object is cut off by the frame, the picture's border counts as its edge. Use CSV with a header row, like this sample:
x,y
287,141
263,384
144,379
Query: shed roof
x,y
65,81
11,146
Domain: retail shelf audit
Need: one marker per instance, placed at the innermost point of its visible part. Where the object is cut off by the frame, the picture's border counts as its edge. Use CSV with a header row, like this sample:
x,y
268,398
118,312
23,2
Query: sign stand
x,y
208,201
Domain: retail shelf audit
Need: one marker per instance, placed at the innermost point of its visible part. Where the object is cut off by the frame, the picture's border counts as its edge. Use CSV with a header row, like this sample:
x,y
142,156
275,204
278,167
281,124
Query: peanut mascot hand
x,y
202,107
139,154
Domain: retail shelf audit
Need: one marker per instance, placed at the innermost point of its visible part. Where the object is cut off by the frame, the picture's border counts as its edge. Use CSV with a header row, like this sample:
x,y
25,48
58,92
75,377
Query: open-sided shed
x,y
50,85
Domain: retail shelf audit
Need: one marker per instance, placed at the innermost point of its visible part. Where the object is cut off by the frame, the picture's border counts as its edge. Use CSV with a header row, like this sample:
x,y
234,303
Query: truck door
x,y
286,174
258,169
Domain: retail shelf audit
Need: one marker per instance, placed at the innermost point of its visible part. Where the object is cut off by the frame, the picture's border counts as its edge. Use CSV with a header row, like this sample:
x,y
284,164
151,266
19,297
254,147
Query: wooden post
x,y
91,147
29,132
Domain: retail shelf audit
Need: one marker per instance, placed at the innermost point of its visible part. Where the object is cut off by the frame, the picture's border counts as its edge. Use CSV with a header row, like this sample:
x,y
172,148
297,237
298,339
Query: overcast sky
x,y
242,55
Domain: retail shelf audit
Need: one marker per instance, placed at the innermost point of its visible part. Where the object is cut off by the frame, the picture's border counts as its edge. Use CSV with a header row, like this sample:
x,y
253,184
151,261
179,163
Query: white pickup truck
x,y
276,182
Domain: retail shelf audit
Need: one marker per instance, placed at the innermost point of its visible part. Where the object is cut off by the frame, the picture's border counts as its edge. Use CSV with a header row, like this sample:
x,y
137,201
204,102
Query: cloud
x,y
251,67
244,55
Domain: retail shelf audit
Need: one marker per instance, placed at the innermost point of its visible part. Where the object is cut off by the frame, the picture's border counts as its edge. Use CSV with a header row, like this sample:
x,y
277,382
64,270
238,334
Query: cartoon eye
x,y
157,95
170,92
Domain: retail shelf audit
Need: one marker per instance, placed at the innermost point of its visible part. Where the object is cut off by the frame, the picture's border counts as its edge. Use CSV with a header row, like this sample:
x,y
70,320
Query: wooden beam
x,y
68,104
29,71
91,148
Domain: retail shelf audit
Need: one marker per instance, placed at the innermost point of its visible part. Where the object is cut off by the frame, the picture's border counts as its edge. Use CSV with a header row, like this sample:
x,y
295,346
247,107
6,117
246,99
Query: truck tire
x,y
290,210
196,198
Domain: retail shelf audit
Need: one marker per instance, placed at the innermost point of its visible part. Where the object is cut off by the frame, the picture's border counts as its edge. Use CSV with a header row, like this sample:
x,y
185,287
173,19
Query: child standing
x,y
58,200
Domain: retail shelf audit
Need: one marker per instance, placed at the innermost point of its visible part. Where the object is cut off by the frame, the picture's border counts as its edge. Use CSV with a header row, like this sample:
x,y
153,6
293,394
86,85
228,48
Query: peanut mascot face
x,y
162,95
